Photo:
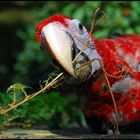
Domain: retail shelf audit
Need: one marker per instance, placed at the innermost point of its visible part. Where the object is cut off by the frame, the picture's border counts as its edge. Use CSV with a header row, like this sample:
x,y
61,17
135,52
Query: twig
x,y
29,97
114,103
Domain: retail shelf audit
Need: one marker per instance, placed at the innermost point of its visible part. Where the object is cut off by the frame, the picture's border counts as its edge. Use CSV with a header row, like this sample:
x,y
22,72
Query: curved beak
x,y
59,43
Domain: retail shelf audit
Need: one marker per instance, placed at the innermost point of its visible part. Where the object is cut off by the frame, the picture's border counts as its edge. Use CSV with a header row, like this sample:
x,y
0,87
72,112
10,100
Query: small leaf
x,y
16,87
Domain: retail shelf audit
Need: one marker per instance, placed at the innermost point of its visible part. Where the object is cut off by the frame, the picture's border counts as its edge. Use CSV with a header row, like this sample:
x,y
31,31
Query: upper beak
x,y
59,44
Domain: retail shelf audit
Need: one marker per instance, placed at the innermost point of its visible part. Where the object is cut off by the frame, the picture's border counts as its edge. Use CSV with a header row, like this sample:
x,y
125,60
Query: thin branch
x,y
114,103
29,97
85,46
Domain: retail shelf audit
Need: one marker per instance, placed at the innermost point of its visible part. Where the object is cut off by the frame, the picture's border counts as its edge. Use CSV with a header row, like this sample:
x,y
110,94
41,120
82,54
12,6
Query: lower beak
x,y
59,43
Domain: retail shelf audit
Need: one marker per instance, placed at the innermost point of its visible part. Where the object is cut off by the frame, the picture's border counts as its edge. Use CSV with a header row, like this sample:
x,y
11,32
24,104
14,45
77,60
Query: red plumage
x,y
115,55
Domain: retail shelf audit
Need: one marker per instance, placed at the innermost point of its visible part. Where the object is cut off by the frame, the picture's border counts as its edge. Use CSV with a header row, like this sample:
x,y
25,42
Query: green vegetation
x,y
22,60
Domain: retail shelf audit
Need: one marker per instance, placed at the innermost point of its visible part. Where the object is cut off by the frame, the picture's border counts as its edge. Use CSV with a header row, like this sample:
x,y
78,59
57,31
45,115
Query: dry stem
x,y
29,97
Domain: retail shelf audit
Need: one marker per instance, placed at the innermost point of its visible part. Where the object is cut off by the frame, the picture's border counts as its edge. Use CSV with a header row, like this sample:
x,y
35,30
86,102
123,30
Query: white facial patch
x,y
80,37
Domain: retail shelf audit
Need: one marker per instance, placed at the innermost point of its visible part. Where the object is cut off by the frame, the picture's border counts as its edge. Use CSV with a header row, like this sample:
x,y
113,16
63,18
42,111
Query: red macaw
x,y
65,37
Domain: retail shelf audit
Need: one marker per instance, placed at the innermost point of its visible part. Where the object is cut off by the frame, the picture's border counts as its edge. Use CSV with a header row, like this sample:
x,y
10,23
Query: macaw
x,y
118,57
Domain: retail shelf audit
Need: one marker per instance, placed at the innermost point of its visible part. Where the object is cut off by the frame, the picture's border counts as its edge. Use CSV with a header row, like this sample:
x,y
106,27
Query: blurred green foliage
x,y
30,64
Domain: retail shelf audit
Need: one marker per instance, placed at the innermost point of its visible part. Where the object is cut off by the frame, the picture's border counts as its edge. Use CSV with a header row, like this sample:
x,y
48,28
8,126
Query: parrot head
x,y
64,38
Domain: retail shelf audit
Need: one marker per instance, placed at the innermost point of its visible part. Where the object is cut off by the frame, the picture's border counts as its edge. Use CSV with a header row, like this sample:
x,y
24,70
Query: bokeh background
x,y
22,60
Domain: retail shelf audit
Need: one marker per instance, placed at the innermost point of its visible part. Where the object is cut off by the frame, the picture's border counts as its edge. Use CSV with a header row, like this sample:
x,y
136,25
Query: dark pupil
x,y
80,26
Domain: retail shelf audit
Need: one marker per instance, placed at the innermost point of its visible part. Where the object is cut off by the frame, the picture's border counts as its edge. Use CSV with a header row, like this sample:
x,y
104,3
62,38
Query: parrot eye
x,y
80,26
